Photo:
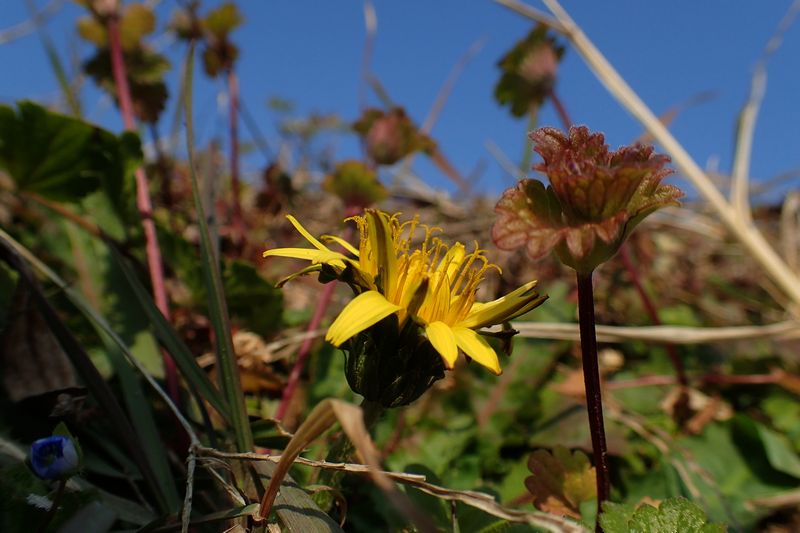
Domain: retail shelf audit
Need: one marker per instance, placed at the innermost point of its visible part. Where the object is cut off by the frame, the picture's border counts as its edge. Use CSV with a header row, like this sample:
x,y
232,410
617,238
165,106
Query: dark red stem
x,y
305,349
143,202
591,380
561,110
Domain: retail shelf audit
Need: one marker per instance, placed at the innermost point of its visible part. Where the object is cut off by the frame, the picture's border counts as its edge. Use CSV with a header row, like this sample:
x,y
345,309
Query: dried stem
x,y
591,380
143,202
650,308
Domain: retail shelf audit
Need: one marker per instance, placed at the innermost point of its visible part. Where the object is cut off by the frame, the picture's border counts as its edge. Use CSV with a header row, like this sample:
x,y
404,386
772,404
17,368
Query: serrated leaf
x,y
145,70
60,157
90,29
561,481
675,515
223,20
528,71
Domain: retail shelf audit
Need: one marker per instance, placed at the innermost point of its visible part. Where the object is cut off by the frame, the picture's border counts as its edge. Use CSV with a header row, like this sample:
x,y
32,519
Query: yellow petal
x,y
341,242
444,341
505,308
304,232
383,250
476,347
363,311
315,256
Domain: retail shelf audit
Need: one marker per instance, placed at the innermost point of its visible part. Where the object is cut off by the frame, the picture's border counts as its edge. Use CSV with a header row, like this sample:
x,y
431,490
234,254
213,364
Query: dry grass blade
x,y
745,232
740,197
321,418
789,232
660,334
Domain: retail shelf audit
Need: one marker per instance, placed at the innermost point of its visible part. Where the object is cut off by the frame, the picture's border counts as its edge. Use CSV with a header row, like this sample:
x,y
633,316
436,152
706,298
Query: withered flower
x,y
529,71
355,183
595,199
391,135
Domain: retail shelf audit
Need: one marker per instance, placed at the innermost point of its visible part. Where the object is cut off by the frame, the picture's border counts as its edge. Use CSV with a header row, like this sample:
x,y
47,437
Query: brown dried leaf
x,y
31,359
561,481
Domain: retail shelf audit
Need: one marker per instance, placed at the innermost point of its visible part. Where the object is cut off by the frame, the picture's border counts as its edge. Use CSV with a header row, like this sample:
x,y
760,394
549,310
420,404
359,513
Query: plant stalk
x,y
563,115
56,503
143,202
652,312
237,220
591,380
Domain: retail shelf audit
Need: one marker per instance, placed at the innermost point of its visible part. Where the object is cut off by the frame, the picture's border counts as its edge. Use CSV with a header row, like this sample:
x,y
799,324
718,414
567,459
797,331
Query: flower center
x,y
429,279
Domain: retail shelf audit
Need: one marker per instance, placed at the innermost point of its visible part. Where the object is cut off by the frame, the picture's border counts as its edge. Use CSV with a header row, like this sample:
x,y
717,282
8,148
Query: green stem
x,y
51,513
527,154
218,309
591,380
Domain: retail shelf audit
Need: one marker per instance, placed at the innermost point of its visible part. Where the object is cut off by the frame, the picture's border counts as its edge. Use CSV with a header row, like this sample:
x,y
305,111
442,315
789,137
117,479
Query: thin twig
x,y
533,14
29,26
747,117
652,312
371,28
660,334
789,228
237,220
566,120
450,83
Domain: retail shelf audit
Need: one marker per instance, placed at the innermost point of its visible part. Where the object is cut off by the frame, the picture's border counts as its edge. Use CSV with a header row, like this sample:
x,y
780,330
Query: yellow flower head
x,y
430,283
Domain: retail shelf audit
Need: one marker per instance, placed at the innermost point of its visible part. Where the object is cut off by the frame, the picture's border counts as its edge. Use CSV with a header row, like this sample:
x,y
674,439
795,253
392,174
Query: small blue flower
x,y
54,457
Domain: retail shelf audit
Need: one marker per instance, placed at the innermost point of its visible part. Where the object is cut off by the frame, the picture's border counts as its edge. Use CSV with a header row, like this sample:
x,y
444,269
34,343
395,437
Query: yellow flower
x,y
431,283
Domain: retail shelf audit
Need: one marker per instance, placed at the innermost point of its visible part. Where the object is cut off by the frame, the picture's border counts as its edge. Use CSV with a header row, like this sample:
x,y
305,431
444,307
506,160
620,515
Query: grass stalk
x,y
218,309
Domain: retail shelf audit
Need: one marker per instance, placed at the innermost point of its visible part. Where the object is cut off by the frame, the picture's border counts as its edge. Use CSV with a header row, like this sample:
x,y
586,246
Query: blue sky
x,y
310,52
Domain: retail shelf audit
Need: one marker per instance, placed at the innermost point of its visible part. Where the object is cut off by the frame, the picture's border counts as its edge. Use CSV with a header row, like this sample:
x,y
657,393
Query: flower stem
x,y
51,513
591,380
143,202
237,219
561,110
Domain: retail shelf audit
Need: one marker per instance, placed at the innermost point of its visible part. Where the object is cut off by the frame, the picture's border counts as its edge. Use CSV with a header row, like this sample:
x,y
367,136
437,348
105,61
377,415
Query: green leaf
x,y
252,299
561,481
779,450
60,157
227,365
145,70
183,357
675,515
223,20
137,21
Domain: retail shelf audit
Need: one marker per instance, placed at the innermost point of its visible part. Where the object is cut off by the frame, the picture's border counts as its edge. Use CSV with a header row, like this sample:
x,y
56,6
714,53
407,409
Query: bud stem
x,y
591,380
56,503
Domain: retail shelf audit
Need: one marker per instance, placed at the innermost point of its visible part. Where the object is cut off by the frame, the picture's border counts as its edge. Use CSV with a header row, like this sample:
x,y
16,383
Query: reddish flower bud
x,y
595,199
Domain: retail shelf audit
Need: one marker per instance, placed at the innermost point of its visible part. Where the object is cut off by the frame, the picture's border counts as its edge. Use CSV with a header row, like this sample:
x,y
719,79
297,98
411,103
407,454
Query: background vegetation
x,y
135,307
